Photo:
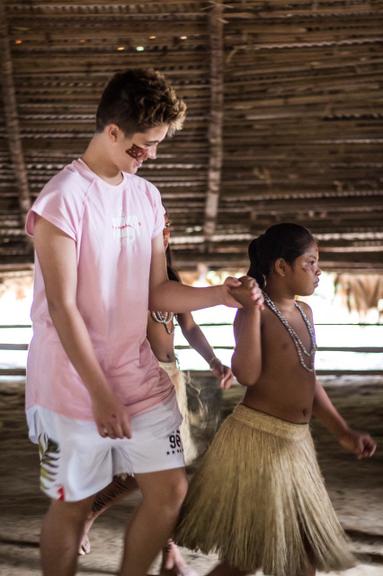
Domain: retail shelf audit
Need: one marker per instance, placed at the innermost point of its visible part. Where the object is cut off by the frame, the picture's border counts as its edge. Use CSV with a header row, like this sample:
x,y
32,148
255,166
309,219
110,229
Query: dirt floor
x,y
356,487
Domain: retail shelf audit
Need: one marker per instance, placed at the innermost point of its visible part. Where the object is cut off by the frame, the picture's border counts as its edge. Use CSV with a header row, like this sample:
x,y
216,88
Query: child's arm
x,y
246,361
198,341
170,296
359,443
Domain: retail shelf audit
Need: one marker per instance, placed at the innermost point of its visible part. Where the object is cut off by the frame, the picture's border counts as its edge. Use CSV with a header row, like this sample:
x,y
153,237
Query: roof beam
x,y
216,118
11,116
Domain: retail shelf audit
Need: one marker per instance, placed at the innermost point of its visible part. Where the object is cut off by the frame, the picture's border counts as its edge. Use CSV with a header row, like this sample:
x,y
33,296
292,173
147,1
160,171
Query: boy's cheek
x,y
135,152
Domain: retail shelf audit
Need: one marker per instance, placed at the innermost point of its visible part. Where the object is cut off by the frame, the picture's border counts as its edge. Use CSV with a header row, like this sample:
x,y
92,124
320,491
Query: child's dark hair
x,y
285,240
172,274
139,99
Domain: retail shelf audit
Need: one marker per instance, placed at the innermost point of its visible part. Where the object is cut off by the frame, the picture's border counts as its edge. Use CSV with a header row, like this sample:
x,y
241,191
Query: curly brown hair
x,y
139,99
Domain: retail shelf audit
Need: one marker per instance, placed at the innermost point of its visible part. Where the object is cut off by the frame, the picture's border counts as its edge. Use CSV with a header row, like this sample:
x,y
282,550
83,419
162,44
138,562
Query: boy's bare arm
x,y
57,257
360,443
170,296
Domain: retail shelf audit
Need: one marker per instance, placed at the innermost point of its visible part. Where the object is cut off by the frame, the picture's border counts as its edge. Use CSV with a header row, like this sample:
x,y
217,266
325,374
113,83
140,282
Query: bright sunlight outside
x,y
336,327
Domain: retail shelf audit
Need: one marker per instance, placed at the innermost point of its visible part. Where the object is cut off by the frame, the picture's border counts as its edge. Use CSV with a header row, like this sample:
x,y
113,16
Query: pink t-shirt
x,y
113,227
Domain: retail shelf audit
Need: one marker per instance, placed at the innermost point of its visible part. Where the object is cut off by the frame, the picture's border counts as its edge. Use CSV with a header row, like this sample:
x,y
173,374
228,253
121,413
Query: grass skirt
x,y
259,501
178,380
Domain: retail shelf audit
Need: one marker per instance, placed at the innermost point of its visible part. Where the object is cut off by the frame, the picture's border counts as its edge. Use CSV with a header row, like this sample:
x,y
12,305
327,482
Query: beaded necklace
x,y
300,347
164,318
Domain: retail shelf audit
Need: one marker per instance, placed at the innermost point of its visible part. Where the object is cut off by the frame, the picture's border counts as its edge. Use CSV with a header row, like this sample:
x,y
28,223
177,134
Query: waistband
x,y
270,424
170,368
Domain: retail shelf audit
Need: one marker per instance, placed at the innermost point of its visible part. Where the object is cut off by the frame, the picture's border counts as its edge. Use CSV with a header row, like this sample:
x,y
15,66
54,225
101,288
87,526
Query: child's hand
x,y
222,372
249,293
359,443
227,299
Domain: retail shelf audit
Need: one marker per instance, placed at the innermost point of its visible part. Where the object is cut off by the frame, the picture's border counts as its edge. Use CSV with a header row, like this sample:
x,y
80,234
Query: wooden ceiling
x,y
285,116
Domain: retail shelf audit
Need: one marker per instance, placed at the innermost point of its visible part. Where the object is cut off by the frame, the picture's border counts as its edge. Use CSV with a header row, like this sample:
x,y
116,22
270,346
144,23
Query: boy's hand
x,y
248,294
359,443
227,299
111,416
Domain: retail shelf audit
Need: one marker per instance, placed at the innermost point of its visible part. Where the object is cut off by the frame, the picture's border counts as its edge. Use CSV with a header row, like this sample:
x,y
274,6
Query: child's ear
x,y
280,266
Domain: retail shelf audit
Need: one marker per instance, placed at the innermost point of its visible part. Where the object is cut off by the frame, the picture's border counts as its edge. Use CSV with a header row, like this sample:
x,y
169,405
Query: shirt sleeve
x,y
60,205
159,212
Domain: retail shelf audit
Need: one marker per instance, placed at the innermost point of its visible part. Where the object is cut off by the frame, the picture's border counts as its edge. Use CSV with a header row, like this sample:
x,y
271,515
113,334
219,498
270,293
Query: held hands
x,y
248,294
228,285
222,373
111,416
359,443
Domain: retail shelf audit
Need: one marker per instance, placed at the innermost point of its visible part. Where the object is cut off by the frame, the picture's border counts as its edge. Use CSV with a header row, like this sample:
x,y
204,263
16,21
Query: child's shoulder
x,y
305,307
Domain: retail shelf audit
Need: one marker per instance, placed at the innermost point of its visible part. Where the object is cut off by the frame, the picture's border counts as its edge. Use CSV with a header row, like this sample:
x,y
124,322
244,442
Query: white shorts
x,y
76,462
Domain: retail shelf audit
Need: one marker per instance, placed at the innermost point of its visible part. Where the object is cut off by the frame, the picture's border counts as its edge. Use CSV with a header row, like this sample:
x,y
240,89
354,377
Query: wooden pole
x,y
216,118
11,116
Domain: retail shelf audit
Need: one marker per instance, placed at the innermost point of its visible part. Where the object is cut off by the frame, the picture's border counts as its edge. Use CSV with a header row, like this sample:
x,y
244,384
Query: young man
x,y
97,402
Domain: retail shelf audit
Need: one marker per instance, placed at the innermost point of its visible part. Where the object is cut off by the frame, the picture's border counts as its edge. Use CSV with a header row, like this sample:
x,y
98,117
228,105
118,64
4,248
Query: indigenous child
x,y
160,332
258,498
97,402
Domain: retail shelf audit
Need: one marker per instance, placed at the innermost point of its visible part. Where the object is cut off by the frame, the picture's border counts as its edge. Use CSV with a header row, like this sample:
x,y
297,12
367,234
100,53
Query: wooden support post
x,y
11,116
216,118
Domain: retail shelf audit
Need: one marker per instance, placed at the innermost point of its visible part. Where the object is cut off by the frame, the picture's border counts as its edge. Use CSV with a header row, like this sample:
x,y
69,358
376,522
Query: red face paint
x,y
136,152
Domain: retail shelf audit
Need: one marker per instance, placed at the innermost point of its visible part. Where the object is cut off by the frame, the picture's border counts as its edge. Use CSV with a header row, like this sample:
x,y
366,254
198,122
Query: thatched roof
x,y
285,115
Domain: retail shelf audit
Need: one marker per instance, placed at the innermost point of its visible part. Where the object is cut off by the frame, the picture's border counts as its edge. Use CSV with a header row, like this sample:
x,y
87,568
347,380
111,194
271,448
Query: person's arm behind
x,y
57,257
198,341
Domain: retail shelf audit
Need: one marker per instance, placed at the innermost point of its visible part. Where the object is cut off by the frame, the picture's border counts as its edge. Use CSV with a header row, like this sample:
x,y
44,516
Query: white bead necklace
x,y
300,347
164,318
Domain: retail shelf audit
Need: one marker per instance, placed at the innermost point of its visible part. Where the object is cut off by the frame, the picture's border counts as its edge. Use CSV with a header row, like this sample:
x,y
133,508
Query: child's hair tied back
x,y
256,270
284,240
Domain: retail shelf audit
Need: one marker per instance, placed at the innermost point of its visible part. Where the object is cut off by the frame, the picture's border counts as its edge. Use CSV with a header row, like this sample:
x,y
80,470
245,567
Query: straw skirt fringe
x,y
179,383
259,500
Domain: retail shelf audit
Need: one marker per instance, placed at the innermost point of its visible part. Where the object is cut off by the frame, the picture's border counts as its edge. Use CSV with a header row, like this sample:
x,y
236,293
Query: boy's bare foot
x,y
173,562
